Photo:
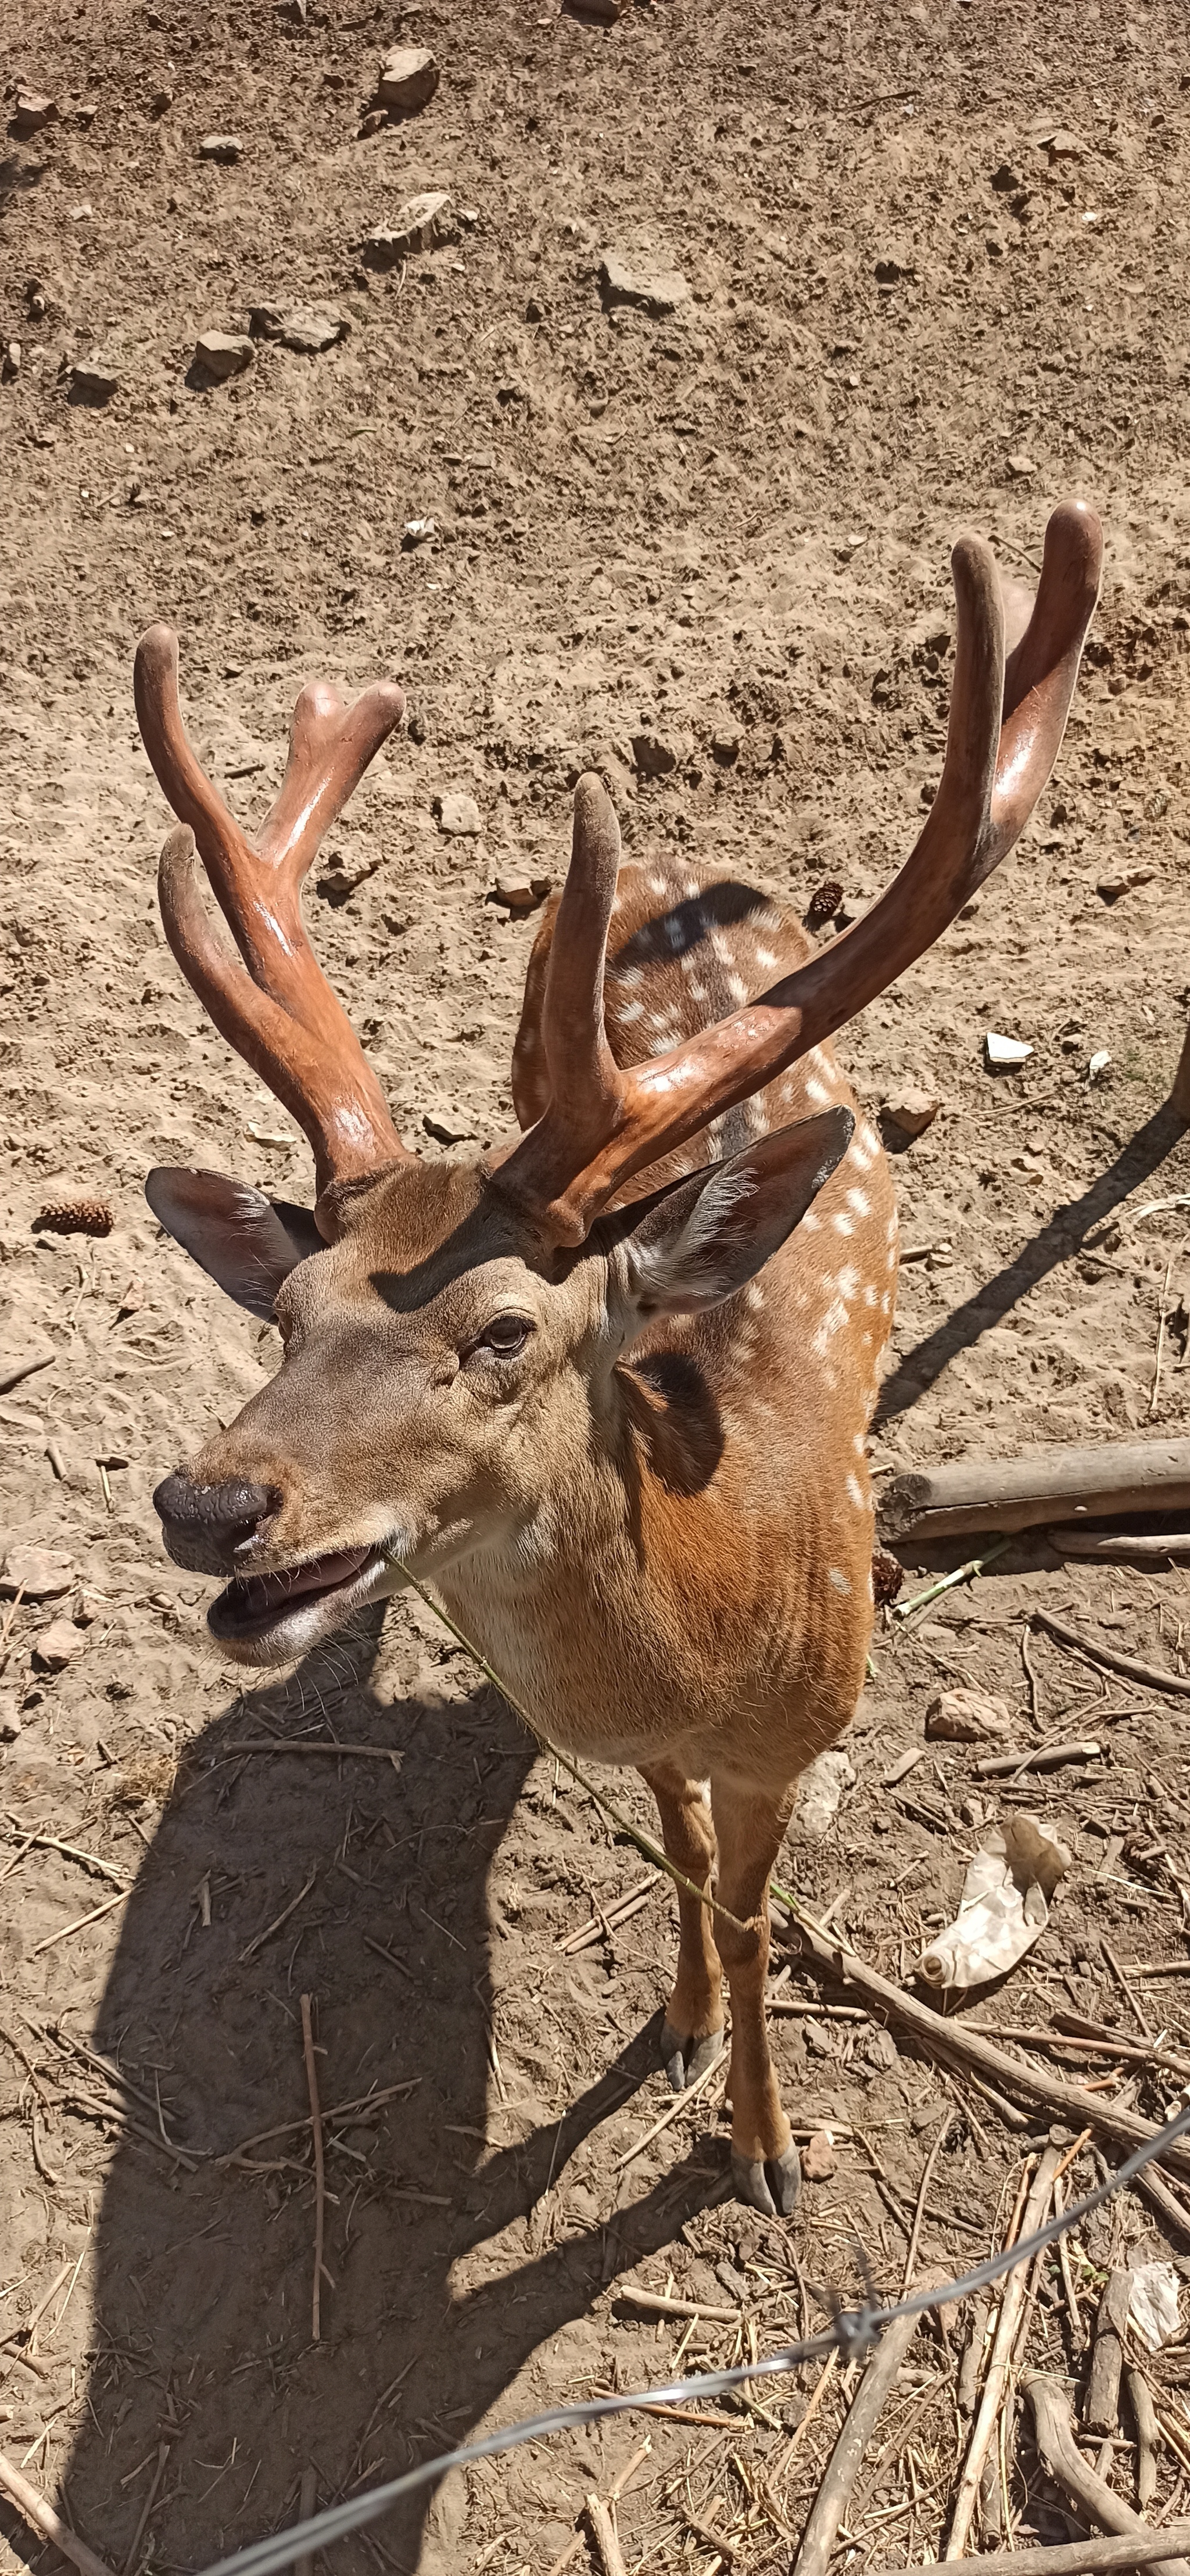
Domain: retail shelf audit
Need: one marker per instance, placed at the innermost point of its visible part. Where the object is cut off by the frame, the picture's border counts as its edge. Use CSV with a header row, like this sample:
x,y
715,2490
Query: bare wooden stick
x,y
959,2047
48,2525
923,2187
307,2499
605,2537
678,2104
258,1940
91,1860
834,2494
1054,2429
1072,2557
147,2507
1012,2301
657,2305
319,2173
1121,1547
1024,1493
337,2111
315,1744
1040,1757
1147,2437
1101,2411
1177,1684
80,1922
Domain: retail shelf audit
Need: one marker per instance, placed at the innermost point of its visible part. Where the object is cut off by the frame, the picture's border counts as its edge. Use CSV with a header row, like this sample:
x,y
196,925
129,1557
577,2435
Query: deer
x,y
606,1388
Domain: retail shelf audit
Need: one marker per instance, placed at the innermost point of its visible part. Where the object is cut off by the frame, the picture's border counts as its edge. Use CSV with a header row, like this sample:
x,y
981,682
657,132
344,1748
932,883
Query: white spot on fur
x,y
885,1303
833,1322
766,957
869,1139
657,885
847,1281
737,988
857,1443
842,1224
890,1232
811,1224
818,1093
698,992
755,1295
856,1200
839,1580
856,1494
630,1011
869,1295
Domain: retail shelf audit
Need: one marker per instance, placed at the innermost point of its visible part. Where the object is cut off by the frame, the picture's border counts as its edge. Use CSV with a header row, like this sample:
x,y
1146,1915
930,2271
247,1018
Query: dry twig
x,y
831,2501
1177,1684
319,2173
48,2525
1059,2451
1012,2301
1073,2557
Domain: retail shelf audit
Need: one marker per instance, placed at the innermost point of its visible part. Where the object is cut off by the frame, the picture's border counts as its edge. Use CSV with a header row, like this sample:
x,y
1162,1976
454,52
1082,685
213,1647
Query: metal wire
x,y
851,2333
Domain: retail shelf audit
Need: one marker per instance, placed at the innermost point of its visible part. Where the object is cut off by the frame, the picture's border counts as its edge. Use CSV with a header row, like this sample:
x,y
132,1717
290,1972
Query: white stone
x,y
408,79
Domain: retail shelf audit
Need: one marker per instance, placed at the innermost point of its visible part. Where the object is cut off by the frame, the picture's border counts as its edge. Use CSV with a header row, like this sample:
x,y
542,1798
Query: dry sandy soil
x,y
725,533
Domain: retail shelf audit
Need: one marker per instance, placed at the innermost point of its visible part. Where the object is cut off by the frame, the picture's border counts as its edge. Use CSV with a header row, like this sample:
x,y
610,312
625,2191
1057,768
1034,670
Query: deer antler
x,y
276,1008
604,1124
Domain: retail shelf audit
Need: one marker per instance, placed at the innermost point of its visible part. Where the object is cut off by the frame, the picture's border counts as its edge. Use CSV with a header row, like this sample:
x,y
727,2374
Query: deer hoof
x,y
771,2187
685,2060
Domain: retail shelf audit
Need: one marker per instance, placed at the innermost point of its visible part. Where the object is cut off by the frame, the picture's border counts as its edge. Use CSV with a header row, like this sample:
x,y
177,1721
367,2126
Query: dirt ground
x,y
936,263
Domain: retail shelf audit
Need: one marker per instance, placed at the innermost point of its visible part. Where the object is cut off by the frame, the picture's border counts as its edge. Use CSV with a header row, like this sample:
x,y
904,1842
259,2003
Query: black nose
x,y
206,1525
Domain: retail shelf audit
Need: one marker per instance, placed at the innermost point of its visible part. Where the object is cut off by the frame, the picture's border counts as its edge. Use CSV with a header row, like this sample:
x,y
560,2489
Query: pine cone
x,y
74,1216
824,903
887,1578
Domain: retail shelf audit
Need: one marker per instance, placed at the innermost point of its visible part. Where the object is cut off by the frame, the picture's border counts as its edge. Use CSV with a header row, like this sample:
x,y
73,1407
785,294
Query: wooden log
x,y
834,2494
1054,2428
1071,2557
1101,2413
1044,1485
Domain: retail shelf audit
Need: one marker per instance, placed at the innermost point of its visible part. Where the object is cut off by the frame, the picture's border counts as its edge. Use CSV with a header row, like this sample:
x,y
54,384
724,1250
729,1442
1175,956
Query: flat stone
x,y
1021,466
656,291
657,755
308,328
967,1717
224,353
96,379
459,815
818,2157
32,111
422,223
56,1645
220,147
912,1111
408,79
37,1573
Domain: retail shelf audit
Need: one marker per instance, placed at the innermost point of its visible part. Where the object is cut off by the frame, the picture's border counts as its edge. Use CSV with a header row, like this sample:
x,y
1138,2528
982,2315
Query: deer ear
x,y
235,1234
705,1237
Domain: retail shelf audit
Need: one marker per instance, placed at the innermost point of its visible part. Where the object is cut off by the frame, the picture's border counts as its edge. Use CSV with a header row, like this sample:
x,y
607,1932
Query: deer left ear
x,y
706,1236
245,1241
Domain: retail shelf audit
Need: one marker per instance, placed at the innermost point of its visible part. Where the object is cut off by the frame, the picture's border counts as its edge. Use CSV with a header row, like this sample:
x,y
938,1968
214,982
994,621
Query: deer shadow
x,y
444,2268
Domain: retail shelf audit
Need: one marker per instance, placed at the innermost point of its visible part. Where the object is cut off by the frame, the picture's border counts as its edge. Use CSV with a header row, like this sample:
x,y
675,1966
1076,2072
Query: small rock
x,y
220,147
95,379
160,103
818,2039
599,13
10,1718
448,1126
223,353
458,815
912,1111
1062,145
725,748
1004,1052
1021,466
372,123
415,533
10,364
307,328
967,1717
822,1788
656,291
818,2158
657,755
520,897
53,1649
32,111
423,223
38,1573
891,272
994,246
408,79
1111,888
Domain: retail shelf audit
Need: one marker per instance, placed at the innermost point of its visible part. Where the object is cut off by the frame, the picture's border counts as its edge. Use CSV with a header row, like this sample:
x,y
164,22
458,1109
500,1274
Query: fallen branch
x,y
1041,1757
1033,2215
656,2304
1144,2548
315,1744
1178,1684
1122,1547
961,2049
1021,1493
1060,2454
834,2494
1147,2437
48,2525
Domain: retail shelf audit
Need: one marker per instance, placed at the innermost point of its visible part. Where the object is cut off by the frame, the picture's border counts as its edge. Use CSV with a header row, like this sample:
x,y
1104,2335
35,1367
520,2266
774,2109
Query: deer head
x,y
452,1331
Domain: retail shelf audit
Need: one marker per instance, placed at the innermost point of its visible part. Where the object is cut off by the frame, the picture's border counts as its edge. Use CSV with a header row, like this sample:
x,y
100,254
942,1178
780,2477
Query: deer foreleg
x,y
749,1825
692,2033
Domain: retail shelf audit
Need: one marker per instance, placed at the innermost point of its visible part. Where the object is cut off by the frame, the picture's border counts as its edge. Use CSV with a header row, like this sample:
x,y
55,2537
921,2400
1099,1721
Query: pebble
x,y
458,814
656,755
656,291
223,353
1111,888
1021,466
422,223
408,79
37,1572
307,328
96,379
522,896
220,147
967,1717
1003,1052
819,2159
32,111
53,1649
912,1111
821,1790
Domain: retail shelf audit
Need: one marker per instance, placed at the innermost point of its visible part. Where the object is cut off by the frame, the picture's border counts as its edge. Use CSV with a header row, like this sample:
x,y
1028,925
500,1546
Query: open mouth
x,y
256,1603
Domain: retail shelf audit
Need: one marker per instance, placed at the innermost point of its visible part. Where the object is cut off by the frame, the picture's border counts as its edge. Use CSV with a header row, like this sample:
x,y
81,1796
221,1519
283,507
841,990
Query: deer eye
x,y
505,1336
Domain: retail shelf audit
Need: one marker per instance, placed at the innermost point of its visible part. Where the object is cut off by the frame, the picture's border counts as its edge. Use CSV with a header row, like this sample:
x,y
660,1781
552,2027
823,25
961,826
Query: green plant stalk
x,y
651,1850
946,1582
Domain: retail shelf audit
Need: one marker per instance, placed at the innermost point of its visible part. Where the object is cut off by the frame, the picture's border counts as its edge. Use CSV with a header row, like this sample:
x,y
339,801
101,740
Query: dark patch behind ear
x,y
240,1238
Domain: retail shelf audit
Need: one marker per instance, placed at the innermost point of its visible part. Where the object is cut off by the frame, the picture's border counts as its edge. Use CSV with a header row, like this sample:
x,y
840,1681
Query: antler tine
x,y
586,1085
276,1008
1003,738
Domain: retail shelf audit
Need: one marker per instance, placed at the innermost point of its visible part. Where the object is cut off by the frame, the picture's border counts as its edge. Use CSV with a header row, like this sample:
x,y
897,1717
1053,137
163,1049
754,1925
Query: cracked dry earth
x,y
936,263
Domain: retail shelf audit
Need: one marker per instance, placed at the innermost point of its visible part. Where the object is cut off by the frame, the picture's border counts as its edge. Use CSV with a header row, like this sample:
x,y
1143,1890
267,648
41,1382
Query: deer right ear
x,y
235,1234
